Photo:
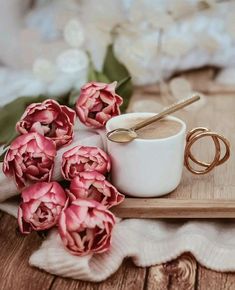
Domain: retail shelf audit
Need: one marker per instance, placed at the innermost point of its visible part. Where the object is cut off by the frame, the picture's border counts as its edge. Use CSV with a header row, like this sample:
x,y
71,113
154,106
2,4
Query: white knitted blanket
x,y
148,242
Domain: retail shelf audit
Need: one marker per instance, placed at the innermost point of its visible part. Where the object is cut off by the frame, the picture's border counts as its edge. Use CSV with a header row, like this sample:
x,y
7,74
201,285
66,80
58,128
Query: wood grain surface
x,y
217,114
205,196
182,273
175,208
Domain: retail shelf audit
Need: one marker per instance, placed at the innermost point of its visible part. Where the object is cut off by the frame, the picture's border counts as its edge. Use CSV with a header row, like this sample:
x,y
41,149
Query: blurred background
x,y
169,48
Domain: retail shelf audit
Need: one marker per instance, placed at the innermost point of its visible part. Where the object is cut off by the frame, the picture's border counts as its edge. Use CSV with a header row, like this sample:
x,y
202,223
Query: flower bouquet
x,y
58,165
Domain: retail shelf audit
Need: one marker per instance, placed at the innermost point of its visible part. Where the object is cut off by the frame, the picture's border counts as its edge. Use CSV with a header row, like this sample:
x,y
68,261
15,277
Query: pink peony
x,y
93,185
97,103
84,158
85,227
49,119
41,206
29,159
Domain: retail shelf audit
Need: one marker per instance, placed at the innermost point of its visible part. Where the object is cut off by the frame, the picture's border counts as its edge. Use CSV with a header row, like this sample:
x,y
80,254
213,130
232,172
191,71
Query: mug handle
x,y
193,136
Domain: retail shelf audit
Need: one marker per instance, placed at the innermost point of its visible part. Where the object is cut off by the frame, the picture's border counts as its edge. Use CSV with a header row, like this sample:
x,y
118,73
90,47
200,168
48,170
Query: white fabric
x,y
148,242
82,137
10,207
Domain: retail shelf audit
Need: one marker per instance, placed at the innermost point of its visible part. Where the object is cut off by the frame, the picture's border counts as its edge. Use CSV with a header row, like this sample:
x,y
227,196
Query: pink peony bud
x,y
97,103
93,185
50,119
41,206
85,227
84,158
29,159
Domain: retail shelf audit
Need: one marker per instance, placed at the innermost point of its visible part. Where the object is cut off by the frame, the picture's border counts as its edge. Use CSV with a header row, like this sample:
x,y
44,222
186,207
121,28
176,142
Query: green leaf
x,y
121,90
3,155
116,71
122,83
91,73
62,99
102,77
10,114
64,183
94,75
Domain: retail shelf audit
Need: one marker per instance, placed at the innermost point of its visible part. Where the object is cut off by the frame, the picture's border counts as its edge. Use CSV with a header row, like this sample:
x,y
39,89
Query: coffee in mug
x,y
151,165
161,129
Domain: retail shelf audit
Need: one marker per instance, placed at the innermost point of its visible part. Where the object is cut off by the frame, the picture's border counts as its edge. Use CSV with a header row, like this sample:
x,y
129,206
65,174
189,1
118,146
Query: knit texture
x,y
147,242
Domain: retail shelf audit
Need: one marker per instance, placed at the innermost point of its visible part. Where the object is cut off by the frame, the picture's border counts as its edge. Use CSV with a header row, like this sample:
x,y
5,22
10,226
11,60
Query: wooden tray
x,y
206,196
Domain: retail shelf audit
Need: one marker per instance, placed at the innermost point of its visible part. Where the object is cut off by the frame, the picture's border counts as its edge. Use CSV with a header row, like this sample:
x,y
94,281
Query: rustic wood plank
x,y
15,250
201,80
222,109
179,274
219,183
14,254
174,208
211,280
127,277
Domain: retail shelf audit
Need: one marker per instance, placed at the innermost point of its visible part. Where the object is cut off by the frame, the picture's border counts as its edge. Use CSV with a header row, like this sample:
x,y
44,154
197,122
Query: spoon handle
x,y
171,109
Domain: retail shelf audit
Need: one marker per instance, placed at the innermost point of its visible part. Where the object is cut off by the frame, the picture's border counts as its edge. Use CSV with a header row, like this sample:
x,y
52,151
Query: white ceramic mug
x,y
146,167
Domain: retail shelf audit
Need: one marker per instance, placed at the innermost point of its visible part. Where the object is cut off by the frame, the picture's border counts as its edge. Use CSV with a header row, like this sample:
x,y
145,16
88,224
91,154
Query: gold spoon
x,y
122,135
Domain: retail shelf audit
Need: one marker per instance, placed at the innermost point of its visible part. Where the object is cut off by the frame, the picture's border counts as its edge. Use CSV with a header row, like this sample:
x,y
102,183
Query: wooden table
x,y
197,196
183,273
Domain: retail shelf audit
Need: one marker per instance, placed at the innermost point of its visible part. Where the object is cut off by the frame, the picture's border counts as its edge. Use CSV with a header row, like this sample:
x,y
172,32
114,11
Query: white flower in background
x,y
105,15
175,45
72,61
70,10
57,34
74,33
62,84
44,69
153,13
99,19
143,10
207,42
181,8
230,24
96,43
137,52
161,20
79,81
